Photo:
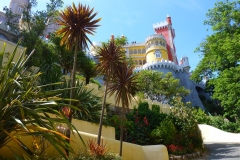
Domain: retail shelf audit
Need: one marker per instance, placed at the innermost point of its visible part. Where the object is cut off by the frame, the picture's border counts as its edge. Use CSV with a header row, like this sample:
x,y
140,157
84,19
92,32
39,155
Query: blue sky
x,y
135,18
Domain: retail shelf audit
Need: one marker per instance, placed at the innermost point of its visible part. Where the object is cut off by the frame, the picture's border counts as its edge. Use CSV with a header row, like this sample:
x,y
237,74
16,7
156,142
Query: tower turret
x,y
185,64
17,6
165,28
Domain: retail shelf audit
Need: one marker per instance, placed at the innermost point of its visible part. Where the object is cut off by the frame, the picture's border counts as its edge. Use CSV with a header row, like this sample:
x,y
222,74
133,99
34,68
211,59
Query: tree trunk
x,y
87,80
102,113
73,79
121,126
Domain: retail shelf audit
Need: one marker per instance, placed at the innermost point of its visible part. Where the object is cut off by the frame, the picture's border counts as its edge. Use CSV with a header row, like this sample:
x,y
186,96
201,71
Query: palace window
x,y
135,51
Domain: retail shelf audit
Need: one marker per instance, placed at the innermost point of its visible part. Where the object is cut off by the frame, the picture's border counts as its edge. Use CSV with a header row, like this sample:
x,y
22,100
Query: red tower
x,y
165,28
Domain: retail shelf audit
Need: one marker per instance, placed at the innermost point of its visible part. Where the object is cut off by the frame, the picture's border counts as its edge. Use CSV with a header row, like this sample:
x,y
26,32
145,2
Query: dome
x,y
155,36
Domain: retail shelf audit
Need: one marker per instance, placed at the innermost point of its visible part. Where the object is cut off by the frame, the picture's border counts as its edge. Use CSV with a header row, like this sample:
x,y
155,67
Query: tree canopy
x,y
159,86
31,26
221,55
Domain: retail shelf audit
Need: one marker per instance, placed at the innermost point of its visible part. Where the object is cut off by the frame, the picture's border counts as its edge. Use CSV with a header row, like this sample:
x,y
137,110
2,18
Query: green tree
x,y
159,86
76,23
109,56
32,26
63,55
221,56
125,86
51,70
86,67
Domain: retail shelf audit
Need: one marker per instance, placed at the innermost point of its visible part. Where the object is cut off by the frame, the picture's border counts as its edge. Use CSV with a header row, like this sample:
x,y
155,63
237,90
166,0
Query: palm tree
x,y
25,107
109,56
124,85
76,23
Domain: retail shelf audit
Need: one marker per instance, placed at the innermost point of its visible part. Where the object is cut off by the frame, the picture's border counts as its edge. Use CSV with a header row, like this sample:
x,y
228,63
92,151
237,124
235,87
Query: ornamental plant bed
x,y
178,131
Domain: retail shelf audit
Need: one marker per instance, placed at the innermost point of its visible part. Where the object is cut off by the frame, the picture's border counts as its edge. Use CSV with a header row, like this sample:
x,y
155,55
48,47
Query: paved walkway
x,y
224,151
219,144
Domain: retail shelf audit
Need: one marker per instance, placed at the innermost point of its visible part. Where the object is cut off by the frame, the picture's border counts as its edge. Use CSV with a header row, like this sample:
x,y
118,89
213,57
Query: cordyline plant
x,y
109,56
125,86
76,22
24,107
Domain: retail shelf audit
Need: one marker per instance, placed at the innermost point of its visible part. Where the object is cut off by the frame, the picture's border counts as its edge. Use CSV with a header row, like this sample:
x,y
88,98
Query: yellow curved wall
x,y
151,56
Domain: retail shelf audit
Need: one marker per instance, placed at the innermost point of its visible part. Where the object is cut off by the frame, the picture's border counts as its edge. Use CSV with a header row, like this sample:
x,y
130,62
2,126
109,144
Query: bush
x,y
155,108
165,133
223,124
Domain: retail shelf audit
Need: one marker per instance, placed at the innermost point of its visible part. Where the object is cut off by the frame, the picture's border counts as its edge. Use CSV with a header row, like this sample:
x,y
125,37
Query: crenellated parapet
x,y
160,25
160,64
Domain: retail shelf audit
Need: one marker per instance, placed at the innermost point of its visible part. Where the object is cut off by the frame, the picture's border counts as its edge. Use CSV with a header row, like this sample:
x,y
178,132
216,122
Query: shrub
x,y
143,106
155,108
141,123
201,116
164,133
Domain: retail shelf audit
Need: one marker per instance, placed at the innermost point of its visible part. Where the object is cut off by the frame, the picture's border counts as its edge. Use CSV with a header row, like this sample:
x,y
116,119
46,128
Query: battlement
x,y
160,25
160,64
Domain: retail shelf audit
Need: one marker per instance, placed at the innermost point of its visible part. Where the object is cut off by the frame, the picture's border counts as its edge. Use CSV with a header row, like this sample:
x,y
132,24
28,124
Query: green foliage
x,y
143,106
51,71
32,26
164,133
25,106
155,108
189,135
88,105
141,122
201,117
86,67
221,57
159,86
64,55
223,124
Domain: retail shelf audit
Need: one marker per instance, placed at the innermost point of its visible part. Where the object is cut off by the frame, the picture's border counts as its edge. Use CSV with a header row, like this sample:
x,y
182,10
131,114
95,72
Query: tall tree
x,y
109,56
86,67
159,86
63,55
221,56
124,84
76,22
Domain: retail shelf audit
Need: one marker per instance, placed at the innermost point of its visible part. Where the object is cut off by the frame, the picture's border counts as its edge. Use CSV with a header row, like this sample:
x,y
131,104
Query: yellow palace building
x,y
158,53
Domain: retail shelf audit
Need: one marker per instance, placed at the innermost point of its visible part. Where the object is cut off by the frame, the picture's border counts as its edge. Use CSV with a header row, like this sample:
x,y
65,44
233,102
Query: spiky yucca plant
x,y
109,56
24,107
88,104
125,86
77,22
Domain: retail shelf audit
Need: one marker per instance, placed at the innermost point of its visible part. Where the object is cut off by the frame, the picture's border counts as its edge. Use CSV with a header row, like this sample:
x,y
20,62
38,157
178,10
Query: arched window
x,y
130,51
158,54
161,43
139,51
140,62
143,50
135,51
156,43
